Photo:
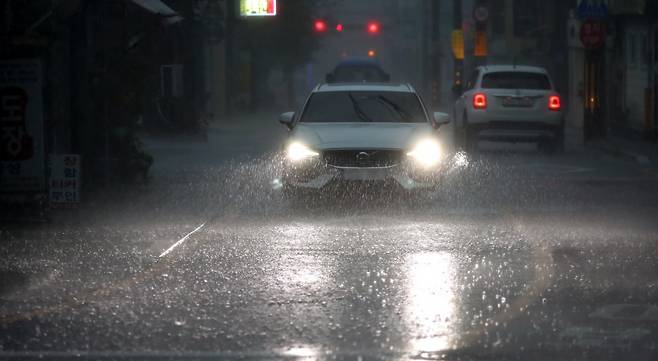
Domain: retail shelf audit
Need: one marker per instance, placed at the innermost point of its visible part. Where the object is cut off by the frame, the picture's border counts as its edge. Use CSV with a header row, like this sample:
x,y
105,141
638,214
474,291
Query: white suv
x,y
509,103
363,133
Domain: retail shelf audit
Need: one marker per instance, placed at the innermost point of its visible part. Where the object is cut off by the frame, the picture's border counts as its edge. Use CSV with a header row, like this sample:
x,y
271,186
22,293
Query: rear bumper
x,y
518,130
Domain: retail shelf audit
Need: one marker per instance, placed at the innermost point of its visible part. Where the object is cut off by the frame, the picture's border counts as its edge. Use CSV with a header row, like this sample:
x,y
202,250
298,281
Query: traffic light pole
x,y
458,72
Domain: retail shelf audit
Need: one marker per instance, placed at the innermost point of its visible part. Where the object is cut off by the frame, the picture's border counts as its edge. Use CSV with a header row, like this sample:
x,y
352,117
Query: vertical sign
x,y
481,44
257,7
64,182
457,42
22,153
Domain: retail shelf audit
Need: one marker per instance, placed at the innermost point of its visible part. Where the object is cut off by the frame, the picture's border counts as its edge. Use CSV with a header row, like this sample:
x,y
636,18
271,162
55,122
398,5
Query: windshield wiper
x,y
357,109
392,105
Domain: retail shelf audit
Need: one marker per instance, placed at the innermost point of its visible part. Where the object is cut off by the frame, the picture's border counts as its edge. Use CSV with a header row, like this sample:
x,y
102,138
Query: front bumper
x,y
315,175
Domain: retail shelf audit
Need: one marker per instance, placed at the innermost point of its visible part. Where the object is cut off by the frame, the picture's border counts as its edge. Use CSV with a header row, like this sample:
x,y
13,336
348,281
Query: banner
x,y
22,151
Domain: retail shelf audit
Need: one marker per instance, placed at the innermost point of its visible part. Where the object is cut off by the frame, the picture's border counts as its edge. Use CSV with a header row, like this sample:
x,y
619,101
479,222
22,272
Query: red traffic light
x,y
320,26
373,28
339,27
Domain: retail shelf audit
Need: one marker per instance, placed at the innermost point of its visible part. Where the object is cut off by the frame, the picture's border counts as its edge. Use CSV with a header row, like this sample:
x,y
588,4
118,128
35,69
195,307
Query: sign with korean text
x,y
64,180
22,150
592,34
257,7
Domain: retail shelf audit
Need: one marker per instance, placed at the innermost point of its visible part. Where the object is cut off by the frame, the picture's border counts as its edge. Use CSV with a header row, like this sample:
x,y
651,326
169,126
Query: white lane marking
x,y
181,241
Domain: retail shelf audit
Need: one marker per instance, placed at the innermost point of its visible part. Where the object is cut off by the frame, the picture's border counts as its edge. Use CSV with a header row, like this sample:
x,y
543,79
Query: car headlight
x,y
297,151
427,153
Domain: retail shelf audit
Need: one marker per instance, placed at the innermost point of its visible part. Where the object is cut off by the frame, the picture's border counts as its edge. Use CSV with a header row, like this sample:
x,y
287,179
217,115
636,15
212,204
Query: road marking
x,y
181,241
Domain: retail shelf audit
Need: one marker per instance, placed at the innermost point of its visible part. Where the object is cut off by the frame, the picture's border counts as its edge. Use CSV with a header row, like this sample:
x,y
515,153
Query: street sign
x,y
64,180
592,34
592,10
481,14
458,44
481,44
22,149
251,8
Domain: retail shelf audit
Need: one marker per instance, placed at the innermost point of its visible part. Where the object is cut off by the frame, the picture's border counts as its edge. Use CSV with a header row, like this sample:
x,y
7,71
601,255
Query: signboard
x,y
592,34
481,44
22,153
458,44
257,7
64,181
592,10
481,14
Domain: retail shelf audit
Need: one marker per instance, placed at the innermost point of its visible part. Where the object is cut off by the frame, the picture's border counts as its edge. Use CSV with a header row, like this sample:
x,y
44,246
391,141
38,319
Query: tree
x,y
286,41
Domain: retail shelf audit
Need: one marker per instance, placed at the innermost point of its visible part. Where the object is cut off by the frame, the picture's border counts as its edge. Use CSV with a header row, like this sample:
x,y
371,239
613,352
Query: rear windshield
x,y
516,80
364,107
358,74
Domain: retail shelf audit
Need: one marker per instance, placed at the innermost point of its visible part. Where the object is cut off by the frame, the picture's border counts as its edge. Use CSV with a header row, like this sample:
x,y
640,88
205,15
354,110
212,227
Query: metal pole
x,y
458,63
228,43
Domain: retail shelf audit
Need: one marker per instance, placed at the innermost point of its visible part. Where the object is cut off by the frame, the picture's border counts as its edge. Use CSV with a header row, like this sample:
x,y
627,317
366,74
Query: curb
x,y
618,152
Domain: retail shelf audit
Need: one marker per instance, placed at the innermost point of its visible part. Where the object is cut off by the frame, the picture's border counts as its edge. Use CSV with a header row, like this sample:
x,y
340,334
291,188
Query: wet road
x,y
520,255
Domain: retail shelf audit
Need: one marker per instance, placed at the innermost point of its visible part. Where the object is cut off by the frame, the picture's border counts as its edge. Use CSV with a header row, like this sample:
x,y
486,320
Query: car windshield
x,y
363,106
516,80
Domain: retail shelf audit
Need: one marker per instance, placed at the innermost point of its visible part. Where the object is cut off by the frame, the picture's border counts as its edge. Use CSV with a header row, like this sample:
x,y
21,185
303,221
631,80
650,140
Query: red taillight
x,y
554,103
480,101
373,28
320,26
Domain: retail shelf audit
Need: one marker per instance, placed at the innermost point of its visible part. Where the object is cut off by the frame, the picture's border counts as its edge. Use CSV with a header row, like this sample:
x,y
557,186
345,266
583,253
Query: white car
x,y
509,103
363,133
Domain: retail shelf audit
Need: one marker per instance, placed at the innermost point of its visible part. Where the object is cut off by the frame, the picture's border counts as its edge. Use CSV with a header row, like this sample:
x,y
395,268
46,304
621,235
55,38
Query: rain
x,y
327,179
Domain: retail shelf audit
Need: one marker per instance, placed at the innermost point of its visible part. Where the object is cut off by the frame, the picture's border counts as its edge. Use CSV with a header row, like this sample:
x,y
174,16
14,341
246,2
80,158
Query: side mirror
x,y
287,119
329,78
440,119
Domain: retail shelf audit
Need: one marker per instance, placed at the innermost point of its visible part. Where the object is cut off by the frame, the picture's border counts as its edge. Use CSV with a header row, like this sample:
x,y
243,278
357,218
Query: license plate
x,y
518,102
364,174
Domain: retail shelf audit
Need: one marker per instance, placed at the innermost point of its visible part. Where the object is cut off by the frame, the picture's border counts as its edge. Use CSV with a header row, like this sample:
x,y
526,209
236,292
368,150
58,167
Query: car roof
x,y
356,61
384,87
512,68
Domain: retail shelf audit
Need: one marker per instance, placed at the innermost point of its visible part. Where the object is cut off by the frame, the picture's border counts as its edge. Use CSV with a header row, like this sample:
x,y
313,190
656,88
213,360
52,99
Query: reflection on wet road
x,y
518,254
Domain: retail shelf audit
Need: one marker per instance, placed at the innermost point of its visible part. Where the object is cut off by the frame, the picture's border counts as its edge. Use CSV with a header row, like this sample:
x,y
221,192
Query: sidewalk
x,y
639,151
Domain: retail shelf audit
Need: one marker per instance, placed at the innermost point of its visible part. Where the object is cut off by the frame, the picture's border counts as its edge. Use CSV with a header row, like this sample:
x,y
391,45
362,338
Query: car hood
x,y
323,136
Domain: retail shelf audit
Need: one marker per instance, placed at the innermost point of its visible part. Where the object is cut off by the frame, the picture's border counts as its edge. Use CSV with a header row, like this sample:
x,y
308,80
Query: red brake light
x,y
373,28
480,101
320,26
554,103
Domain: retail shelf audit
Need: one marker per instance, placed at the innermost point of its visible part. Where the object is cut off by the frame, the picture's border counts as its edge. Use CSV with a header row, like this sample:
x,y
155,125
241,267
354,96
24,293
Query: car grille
x,y
362,158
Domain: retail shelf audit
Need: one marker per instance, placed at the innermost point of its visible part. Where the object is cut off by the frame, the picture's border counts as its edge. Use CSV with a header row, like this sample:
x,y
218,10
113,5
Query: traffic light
x,y
320,26
339,27
373,28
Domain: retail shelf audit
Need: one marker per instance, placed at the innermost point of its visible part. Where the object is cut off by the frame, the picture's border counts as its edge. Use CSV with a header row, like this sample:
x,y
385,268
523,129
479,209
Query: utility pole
x,y
434,53
228,43
425,48
458,72
481,17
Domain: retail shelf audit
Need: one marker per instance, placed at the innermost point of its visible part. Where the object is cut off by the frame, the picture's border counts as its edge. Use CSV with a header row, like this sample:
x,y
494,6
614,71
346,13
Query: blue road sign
x,y
589,9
